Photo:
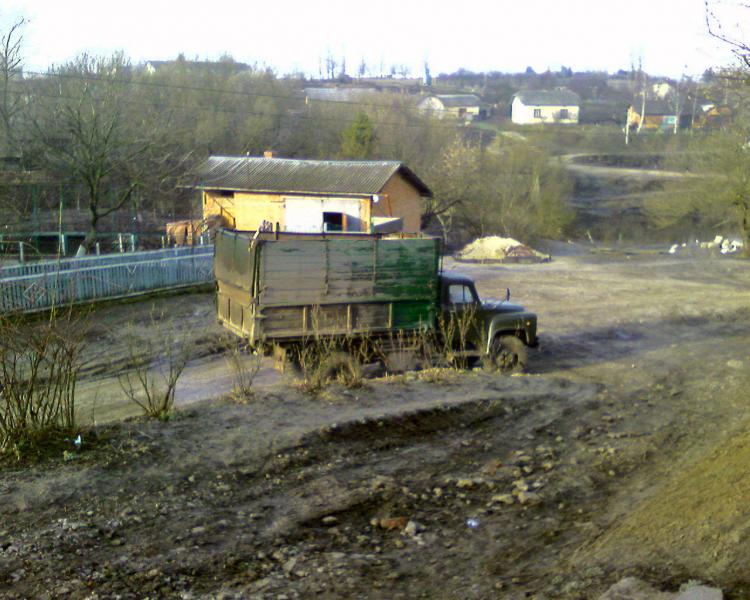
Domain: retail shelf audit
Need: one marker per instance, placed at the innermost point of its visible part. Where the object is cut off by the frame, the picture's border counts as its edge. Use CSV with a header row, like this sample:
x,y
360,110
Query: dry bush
x,y
322,358
244,363
39,367
156,364
454,335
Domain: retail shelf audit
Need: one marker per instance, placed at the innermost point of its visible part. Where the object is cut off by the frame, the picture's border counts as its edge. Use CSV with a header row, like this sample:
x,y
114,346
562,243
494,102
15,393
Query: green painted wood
x,y
368,275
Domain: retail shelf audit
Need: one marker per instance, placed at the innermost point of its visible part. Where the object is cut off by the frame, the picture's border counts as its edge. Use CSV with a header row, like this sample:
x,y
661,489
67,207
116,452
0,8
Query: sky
x,y
669,36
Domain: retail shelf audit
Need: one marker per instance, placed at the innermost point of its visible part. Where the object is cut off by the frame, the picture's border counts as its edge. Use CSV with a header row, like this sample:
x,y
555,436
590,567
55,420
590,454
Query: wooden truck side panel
x,y
291,288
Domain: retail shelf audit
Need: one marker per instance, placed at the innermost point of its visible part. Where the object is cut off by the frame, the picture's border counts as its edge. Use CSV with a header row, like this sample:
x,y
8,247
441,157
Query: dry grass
x,y
244,363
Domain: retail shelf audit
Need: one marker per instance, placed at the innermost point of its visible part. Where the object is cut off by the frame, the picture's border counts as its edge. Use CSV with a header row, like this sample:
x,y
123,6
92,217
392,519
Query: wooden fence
x,y
42,285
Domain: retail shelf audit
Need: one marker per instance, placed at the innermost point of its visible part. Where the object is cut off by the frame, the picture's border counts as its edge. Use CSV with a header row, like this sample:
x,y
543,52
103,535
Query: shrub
x,y
156,364
39,367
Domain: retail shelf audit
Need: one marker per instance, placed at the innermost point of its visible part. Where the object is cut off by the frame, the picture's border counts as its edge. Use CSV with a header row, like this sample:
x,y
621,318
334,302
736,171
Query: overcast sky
x,y
503,35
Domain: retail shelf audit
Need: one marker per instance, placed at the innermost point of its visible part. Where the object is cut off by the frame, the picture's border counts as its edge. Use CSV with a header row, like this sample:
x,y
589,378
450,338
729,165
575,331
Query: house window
x,y
537,113
334,221
564,113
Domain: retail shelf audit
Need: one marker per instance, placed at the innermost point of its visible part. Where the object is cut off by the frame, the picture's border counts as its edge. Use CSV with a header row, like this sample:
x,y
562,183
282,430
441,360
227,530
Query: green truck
x,y
284,291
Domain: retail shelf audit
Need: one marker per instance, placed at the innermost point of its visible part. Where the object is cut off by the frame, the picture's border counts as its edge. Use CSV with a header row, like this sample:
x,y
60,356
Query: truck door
x,y
461,316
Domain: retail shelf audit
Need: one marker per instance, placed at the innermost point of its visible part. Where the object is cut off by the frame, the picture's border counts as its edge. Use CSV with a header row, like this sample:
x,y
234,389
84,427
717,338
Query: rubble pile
x,y
722,244
500,249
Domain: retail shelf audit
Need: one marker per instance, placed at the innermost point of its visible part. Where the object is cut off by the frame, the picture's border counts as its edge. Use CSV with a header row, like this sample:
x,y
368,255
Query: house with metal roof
x,y
311,196
459,106
545,106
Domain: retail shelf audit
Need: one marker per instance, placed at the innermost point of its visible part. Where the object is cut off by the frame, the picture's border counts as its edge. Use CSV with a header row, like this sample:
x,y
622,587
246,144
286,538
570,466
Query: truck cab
x,y
494,331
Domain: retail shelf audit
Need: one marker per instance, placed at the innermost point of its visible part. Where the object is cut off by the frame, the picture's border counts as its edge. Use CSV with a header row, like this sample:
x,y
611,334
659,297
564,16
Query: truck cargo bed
x,y
295,286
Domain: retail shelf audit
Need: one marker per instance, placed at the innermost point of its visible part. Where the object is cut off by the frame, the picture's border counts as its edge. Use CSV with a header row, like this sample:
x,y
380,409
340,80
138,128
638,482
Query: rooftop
x,y
354,177
560,97
458,100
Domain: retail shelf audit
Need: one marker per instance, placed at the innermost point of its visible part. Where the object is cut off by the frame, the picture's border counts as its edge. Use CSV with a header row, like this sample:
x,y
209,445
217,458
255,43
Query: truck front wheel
x,y
508,354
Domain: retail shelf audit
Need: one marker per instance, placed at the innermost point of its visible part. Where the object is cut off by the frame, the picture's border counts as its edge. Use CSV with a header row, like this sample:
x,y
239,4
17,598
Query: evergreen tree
x,y
358,140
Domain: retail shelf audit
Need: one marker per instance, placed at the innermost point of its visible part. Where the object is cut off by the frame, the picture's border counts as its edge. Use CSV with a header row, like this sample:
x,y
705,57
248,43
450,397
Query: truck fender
x,y
510,324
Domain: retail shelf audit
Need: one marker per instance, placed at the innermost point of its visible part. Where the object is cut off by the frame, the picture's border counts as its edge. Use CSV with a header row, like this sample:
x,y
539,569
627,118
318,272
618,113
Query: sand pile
x,y
496,248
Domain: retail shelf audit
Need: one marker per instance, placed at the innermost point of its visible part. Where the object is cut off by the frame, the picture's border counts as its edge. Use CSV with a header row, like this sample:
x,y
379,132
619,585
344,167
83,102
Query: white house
x,y
460,106
545,106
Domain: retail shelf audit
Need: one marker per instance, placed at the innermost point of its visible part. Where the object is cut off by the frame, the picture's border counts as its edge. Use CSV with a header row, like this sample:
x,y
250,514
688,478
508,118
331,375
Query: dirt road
x,y
437,485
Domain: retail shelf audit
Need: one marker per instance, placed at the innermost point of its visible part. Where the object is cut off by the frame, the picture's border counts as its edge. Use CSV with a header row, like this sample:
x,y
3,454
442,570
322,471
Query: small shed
x,y
545,106
311,196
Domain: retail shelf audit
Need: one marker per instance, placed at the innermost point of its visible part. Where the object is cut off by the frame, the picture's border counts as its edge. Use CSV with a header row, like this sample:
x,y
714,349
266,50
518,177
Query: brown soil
x,y
622,452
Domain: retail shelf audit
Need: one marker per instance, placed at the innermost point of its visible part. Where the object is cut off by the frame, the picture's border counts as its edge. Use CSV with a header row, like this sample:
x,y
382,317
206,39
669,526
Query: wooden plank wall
x,y
336,271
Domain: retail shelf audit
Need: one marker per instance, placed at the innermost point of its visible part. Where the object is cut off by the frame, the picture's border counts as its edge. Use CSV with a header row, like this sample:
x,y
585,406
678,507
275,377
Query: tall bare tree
x,y
11,99
89,139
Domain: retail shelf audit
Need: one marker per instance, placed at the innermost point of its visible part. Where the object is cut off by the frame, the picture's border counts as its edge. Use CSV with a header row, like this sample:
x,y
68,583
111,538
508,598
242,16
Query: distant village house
x,y
311,196
531,107
460,106
660,115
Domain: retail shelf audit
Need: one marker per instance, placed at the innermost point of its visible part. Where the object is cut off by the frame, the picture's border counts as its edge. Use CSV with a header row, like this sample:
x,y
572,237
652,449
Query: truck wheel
x,y
508,354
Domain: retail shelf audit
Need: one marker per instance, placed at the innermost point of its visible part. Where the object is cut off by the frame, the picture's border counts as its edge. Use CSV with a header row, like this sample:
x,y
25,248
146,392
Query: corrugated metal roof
x,y
549,98
458,100
358,177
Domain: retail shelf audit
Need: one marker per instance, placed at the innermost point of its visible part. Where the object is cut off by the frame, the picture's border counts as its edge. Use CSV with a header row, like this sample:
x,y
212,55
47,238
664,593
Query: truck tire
x,y
508,354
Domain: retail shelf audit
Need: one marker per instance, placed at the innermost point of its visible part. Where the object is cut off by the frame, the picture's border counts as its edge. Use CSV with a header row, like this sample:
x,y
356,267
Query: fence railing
x,y
42,285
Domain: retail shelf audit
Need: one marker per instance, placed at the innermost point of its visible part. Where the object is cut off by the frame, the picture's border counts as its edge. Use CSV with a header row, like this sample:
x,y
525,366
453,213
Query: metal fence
x,y
41,285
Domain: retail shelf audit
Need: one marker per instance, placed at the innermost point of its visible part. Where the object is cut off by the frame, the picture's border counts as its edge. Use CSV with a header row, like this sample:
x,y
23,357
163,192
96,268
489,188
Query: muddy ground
x,y
619,453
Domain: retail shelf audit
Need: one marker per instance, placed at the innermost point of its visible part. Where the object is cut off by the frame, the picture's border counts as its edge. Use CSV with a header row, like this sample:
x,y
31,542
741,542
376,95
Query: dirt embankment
x,y
620,453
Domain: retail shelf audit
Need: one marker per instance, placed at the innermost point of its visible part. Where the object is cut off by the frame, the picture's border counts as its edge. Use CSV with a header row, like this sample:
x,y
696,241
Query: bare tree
x,y
89,139
10,72
740,48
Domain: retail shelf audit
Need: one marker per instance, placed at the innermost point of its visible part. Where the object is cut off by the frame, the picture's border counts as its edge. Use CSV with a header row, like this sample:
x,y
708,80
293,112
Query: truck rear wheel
x,y
508,354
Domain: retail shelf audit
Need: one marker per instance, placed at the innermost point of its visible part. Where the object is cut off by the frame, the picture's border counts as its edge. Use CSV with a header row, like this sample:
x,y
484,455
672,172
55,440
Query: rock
x,y
390,523
465,484
700,592
382,482
529,498
289,565
438,492
503,498
200,530
492,467
734,364
330,520
632,588
413,528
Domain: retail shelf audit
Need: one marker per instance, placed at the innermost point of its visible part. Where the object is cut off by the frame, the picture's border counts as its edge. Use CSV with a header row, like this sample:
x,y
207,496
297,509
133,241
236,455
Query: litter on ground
x,y
722,244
